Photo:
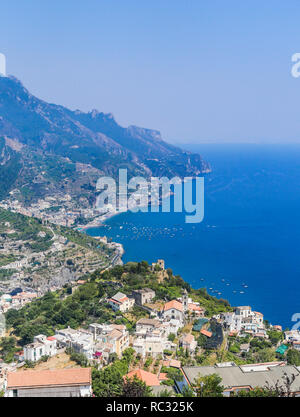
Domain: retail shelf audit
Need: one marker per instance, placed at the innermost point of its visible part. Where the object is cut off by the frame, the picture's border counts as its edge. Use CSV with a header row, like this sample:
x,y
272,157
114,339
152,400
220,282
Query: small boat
x,y
242,292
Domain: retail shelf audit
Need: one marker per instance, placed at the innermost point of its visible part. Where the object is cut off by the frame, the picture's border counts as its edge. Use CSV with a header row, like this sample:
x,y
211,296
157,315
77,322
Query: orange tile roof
x,y
173,304
172,363
51,338
150,379
162,376
114,301
175,363
30,379
195,307
206,333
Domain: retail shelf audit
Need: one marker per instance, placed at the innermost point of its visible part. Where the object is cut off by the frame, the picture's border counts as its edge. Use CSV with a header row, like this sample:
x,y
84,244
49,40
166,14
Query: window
x,y
15,393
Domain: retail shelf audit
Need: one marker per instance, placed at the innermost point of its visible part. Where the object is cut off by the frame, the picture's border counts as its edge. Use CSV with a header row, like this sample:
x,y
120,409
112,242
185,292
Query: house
x,y
243,311
56,383
112,337
41,346
292,336
146,325
196,309
296,345
151,337
143,296
81,341
246,377
173,310
120,302
232,321
244,319
22,298
151,344
245,347
277,327
172,326
151,380
188,343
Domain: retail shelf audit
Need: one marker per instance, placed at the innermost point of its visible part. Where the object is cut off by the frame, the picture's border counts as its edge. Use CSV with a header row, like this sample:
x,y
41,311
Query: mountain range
x,y
46,148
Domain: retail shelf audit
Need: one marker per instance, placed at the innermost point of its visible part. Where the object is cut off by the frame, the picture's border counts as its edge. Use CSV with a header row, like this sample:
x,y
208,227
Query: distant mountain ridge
x,y
34,132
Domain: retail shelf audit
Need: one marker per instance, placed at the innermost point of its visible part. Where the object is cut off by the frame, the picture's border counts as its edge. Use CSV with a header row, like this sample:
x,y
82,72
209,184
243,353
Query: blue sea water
x,y
250,233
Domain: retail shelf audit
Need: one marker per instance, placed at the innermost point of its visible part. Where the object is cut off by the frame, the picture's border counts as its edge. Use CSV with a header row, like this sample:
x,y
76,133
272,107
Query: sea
x,y
247,248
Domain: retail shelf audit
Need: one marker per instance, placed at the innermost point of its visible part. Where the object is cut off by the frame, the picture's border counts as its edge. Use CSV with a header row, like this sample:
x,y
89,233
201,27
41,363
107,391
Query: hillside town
x,y
37,256
165,344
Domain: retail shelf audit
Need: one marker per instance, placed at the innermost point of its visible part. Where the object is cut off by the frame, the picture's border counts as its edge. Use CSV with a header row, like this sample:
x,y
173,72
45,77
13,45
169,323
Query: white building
x,y
292,336
81,341
114,338
41,346
120,302
173,310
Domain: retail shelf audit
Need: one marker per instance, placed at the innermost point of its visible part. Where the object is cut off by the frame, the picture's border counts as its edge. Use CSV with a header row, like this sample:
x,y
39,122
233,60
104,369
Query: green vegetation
x,y
209,386
87,304
7,349
7,259
79,358
37,237
134,387
108,382
293,357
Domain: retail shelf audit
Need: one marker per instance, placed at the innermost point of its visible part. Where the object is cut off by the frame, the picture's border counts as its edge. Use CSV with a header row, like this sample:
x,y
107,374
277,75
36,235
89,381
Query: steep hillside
x,y
52,148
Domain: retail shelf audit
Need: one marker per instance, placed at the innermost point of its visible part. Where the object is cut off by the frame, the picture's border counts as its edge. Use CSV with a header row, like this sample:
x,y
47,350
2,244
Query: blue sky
x,y
198,71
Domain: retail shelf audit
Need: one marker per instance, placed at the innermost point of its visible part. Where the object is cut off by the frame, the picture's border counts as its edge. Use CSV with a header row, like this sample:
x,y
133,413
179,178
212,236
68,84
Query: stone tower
x,y
2,65
185,301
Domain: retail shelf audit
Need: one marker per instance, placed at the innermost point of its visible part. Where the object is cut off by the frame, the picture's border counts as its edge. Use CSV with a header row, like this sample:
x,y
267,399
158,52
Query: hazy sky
x,y
198,70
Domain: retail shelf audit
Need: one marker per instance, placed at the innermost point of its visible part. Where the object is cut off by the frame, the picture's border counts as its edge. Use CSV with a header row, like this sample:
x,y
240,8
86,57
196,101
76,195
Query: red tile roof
x,y
173,304
195,307
51,338
206,333
175,363
150,379
172,363
59,377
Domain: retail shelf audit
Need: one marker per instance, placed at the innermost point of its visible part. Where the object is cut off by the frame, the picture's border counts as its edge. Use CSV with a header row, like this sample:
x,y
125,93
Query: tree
x,y
266,355
128,355
209,386
275,336
8,348
293,357
134,387
187,392
257,392
171,337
